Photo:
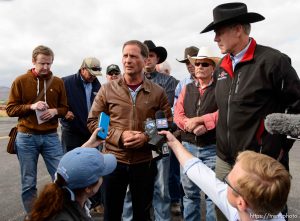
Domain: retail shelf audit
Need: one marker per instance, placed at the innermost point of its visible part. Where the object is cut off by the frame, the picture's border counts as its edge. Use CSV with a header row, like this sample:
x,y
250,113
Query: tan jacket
x,y
114,99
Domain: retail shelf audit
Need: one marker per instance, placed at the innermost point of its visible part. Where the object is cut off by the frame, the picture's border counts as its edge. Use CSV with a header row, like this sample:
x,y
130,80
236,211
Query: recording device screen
x,y
150,127
157,142
162,123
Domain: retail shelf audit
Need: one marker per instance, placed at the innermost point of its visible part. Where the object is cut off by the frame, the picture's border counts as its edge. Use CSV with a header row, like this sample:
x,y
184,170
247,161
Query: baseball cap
x,y
84,166
113,67
93,65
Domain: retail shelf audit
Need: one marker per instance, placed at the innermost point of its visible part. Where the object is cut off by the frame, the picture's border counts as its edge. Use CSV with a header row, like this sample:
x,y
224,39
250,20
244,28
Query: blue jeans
x,y
29,147
192,197
161,198
174,179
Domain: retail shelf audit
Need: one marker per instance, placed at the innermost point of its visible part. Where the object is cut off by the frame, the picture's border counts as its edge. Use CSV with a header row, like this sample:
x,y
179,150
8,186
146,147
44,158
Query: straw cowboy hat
x,y
230,13
204,53
191,51
161,52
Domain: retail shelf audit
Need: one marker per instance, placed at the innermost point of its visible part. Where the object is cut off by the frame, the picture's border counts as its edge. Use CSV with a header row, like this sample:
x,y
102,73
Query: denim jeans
x,y
174,179
127,207
192,196
222,169
161,198
29,147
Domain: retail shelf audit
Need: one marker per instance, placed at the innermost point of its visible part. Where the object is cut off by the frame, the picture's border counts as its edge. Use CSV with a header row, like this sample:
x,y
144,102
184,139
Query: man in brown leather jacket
x,y
129,101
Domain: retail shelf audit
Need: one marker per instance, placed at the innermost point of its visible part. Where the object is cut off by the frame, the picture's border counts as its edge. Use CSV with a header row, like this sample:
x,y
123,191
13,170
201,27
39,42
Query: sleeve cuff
x,y
209,122
115,136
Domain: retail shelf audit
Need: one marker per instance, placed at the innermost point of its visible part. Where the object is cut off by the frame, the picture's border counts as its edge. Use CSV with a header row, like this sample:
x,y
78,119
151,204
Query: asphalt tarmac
x,y
10,201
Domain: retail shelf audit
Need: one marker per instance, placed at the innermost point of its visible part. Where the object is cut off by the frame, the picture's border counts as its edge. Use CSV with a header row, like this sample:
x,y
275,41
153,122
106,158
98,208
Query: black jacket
x,y
263,82
77,103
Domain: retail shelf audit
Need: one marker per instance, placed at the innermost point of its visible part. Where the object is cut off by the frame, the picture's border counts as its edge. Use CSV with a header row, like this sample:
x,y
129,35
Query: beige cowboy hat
x,y
204,53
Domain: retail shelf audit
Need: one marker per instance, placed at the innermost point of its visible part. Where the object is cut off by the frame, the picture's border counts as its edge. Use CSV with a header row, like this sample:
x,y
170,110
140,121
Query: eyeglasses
x,y
204,64
225,180
113,73
96,69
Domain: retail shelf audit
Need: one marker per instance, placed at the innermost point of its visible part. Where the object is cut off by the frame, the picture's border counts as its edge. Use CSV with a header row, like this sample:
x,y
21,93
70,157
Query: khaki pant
x,y
222,169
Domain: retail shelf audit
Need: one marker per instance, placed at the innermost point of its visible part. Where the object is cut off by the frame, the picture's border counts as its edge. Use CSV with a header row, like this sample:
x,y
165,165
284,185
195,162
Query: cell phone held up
x,y
103,125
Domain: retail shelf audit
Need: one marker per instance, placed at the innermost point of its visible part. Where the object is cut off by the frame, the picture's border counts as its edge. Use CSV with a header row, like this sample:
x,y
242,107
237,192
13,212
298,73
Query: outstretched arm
x,y
94,141
180,152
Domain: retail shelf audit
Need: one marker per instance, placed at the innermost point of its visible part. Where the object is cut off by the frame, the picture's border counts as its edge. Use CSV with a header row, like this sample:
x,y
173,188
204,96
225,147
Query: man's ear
x,y
239,30
241,204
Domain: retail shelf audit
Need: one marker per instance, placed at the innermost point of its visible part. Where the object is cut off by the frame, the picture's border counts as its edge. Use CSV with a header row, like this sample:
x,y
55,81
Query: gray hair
x,y
247,28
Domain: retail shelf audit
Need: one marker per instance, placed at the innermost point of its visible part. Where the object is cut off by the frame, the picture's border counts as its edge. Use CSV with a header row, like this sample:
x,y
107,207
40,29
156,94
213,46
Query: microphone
x,y
161,121
157,142
287,124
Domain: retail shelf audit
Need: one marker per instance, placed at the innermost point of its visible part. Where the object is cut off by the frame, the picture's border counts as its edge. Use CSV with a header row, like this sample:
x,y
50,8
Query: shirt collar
x,y
238,57
84,82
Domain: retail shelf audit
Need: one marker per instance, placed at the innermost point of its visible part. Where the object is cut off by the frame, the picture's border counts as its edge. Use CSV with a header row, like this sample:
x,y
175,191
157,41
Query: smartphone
x,y
104,125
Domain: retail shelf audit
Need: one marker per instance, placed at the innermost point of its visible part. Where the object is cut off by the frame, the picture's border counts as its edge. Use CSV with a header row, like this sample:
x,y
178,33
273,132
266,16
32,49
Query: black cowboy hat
x,y
230,13
161,52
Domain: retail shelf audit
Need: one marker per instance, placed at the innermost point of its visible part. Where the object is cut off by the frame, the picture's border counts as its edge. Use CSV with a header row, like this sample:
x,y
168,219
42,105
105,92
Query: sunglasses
x,y
225,180
204,64
113,73
95,69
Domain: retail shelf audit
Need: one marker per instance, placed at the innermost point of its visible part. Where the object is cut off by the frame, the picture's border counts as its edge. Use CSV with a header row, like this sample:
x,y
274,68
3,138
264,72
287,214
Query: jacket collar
x,y
45,77
151,75
226,63
80,80
145,85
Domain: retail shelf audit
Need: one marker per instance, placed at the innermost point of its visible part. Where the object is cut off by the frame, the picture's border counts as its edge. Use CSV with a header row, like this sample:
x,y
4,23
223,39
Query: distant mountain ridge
x,y
4,92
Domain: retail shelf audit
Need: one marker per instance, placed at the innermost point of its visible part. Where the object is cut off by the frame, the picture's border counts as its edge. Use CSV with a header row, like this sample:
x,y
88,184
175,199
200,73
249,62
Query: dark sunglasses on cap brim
x,y
95,69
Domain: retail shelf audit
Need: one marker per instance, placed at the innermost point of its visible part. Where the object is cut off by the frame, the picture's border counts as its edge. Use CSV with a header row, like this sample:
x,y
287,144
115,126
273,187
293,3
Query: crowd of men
x,y
219,109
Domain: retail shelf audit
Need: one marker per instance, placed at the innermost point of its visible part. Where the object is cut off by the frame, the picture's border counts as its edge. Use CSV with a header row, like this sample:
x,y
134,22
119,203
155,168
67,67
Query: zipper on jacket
x,y
133,95
234,85
237,83
133,111
228,113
